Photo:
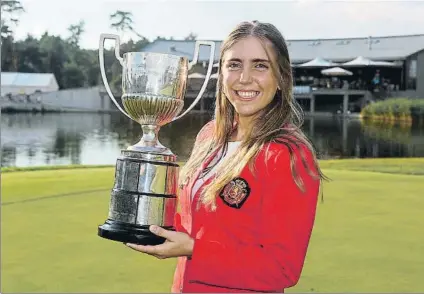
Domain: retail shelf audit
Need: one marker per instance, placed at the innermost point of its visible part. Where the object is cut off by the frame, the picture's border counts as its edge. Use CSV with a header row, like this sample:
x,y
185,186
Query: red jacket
x,y
258,245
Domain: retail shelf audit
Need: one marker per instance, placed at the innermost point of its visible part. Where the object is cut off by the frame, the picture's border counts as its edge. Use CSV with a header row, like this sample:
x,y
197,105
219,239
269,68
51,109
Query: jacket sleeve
x,y
287,219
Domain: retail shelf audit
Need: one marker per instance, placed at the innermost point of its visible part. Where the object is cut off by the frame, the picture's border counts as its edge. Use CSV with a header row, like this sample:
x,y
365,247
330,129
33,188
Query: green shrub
x,y
395,108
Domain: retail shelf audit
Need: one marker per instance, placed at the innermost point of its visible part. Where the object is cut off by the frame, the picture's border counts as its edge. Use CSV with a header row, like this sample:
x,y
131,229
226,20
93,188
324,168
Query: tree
x,y
124,22
55,56
76,31
72,65
191,37
5,30
10,9
30,56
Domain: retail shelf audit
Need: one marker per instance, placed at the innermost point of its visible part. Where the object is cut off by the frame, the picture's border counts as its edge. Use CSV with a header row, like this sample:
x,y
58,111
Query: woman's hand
x,y
176,244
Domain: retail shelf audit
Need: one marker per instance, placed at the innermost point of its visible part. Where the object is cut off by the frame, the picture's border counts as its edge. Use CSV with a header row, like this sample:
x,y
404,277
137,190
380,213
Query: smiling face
x,y
247,77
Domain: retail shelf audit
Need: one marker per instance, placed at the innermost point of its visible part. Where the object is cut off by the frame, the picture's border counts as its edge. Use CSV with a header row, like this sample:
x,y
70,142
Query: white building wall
x,y
81,99
25,90
92,99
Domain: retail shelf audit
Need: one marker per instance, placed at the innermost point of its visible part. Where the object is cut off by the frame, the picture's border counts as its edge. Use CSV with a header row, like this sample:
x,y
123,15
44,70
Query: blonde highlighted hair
x,y
280,121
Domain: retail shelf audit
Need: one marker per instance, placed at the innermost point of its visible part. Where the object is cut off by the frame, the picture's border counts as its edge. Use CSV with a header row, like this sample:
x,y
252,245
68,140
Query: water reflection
x,y
55,139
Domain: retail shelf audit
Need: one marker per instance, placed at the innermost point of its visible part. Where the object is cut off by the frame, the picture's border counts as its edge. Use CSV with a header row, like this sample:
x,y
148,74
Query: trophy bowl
x,y
146,174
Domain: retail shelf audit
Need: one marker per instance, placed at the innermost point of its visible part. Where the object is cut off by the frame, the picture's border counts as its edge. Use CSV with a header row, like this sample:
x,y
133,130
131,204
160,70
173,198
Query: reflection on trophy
x,y
146,174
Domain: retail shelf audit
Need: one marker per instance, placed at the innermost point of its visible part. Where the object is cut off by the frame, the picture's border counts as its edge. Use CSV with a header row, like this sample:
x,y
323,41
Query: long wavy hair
x,y
280,121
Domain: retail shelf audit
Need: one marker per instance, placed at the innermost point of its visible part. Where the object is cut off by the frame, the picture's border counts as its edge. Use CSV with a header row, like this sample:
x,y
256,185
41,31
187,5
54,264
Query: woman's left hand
x,y
176,244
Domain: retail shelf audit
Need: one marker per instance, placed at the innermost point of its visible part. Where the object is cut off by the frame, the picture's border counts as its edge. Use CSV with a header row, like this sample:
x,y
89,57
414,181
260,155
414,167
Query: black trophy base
x,y
127,233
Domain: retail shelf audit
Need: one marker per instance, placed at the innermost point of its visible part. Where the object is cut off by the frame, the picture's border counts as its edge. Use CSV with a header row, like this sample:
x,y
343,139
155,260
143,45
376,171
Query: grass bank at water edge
x,y
391,165
400,110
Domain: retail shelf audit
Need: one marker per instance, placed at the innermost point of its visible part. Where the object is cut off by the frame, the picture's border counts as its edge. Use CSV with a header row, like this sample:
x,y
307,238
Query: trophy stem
x,y
149,142
150,135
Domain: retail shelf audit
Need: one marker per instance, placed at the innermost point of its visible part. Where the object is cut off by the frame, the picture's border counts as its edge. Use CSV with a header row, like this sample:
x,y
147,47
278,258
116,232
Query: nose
x,y
245,76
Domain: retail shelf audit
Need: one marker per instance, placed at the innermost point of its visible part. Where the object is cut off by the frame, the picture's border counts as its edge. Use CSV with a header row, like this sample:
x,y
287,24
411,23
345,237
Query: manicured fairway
x,y
368,235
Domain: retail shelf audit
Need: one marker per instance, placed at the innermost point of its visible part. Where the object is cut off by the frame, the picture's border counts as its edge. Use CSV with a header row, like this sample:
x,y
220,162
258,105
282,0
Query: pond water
x,y
29,139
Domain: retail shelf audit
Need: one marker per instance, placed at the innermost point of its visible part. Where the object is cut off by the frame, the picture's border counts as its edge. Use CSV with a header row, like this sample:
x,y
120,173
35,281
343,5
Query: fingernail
x,y
153,228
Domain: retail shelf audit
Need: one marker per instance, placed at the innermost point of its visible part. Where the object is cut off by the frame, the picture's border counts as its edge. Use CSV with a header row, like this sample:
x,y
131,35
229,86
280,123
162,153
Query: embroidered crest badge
x,y
235,193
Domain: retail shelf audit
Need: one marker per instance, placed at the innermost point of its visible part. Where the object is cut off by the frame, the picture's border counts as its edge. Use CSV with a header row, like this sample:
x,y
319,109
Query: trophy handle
x,y
208,73
103,37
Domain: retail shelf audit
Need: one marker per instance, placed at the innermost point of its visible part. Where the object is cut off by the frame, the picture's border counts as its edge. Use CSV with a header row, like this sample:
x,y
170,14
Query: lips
x,y
247,94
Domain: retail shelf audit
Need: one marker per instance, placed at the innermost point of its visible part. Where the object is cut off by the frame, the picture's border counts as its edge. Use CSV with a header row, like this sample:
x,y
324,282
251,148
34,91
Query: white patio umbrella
x,y
336,71
317,62
196,75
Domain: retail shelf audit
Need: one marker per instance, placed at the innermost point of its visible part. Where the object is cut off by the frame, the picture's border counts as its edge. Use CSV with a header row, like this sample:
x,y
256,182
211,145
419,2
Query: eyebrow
x,y
253,60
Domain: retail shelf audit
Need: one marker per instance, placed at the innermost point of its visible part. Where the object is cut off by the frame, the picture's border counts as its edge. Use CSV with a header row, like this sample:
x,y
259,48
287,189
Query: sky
x,y
213,20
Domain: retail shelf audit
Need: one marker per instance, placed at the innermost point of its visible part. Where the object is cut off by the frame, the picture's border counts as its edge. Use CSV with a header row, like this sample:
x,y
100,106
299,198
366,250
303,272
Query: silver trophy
x,y
146,174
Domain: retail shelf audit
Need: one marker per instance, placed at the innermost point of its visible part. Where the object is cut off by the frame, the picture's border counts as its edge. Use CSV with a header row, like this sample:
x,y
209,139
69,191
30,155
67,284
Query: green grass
x,y
368,234
50,244
50,167
407,166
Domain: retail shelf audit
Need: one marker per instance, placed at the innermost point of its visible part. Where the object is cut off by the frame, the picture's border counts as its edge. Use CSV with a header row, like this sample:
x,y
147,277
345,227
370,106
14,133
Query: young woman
x,y
248,193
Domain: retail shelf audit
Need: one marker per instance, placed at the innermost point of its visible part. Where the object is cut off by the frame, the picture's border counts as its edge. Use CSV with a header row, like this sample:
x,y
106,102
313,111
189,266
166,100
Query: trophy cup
x,y
146,174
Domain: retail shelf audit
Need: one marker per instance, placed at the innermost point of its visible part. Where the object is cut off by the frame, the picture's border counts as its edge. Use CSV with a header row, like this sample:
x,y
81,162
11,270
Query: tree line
x,y
63,56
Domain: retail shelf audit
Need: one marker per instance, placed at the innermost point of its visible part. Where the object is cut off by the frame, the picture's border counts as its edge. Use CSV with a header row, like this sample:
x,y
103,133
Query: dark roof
x,y
338,50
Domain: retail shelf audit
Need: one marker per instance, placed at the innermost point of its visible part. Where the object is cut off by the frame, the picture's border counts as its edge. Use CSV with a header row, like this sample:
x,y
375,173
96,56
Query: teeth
x,y
247,94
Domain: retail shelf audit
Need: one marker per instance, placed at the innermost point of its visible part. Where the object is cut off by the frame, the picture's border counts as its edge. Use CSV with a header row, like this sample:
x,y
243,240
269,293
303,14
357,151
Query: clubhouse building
x,y
330,75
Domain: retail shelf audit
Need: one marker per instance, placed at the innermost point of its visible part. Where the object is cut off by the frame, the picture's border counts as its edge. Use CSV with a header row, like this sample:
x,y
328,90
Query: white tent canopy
x,y
362,61
317,62
336,71
385,63
358,61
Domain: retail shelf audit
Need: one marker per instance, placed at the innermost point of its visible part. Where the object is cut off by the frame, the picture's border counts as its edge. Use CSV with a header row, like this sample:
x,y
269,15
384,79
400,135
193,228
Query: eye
x,y
233,65
261,66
